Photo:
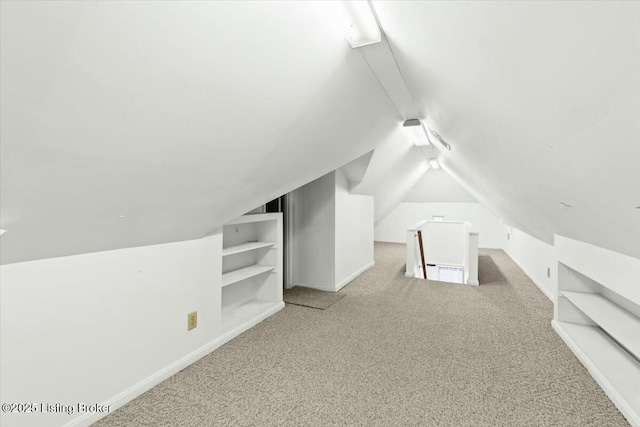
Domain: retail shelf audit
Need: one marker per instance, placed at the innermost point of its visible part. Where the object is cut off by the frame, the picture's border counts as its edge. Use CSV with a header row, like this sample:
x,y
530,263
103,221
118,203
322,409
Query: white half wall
x,y
354,232
534,257
393,228
104,327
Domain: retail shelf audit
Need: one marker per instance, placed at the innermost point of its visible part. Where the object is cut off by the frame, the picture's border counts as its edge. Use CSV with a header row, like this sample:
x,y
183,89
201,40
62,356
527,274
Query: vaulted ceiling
x,y
541,101
133,123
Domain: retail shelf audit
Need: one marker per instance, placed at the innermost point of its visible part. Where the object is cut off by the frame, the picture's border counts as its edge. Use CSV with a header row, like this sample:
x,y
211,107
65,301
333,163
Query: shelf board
x,y
623,326
244,273
247,313
245,247
617,372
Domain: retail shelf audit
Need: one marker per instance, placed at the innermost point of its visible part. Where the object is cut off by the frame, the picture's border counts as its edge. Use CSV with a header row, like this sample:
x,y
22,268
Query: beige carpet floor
x,y
311,298
393,352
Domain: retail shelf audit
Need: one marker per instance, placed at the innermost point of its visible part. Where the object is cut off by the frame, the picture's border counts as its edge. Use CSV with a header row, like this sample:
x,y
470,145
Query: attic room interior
x,y
233,213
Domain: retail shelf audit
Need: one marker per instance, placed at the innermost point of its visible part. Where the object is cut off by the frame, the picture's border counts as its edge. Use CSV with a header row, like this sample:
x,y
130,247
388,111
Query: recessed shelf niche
x,y
602,328
251,285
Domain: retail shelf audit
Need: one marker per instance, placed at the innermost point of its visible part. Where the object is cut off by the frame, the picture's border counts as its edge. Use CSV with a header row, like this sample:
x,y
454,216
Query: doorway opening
x,y
283,205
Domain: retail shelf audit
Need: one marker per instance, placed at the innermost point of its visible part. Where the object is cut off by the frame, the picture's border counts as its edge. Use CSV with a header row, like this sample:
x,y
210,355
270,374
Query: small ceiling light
x,y
415,132
359,22
434,163
2,231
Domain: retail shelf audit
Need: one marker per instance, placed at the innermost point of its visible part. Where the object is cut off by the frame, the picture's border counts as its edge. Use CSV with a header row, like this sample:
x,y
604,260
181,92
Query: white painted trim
x,y
147,384
417,225
544,290
353,276
228,336
407,274
318,287
599,263
629,413
342,283
473,283
255,218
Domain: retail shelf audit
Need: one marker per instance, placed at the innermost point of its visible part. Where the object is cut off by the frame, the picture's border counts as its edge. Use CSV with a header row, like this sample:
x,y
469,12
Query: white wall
x,y
617,272
313,238
354,232
332,233
533,256
437,186
393,228
394,168
89,328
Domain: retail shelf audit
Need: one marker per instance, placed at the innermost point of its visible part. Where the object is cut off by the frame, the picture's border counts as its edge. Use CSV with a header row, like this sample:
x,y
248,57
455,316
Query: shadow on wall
x,y
488,271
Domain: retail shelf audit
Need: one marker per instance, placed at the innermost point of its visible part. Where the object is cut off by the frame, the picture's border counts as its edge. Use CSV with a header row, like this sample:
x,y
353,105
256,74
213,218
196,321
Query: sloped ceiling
x,y
395,167
133,123
437,186
541,102
355,170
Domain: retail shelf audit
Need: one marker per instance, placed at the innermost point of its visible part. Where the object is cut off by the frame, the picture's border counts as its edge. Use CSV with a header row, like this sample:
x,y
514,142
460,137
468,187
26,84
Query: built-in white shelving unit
x,y
244,247
251,286
620,324
597,314
244,273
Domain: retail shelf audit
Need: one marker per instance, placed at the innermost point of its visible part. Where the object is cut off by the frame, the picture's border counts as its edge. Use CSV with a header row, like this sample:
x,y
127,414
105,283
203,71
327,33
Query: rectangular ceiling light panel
x,y
359,23
416,133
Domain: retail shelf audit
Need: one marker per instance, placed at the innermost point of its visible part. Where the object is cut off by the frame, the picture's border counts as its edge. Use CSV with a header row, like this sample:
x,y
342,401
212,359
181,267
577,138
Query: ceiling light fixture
x,y
2,231
415,132
359,23
434,163
439,138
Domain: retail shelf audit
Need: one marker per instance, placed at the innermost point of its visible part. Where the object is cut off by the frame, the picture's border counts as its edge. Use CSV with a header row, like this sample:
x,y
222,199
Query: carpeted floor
x,y
393,352
311,298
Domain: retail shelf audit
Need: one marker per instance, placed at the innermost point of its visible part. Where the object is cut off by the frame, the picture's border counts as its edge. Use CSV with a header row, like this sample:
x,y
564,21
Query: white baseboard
x,y
342,283
542,288
326,288
353,276
629,411
147,384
